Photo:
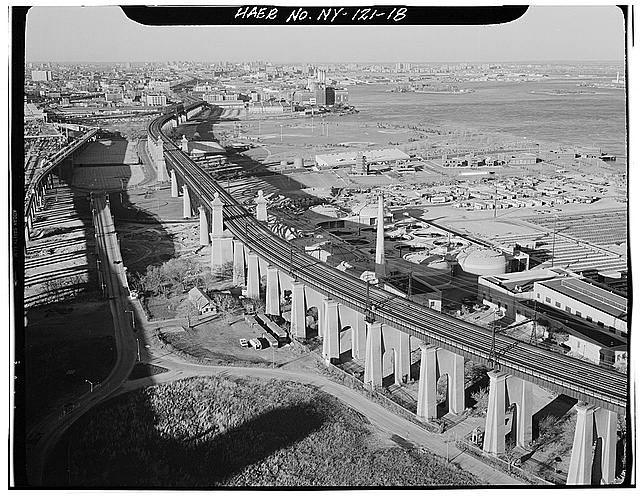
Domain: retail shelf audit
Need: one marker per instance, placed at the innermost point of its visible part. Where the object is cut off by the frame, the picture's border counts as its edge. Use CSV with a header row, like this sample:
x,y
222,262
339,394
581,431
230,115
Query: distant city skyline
x,y
542,34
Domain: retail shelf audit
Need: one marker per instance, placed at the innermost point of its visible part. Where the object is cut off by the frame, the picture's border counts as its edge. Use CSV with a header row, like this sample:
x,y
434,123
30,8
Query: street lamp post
x,y
280,133
138,349
90,385
133,321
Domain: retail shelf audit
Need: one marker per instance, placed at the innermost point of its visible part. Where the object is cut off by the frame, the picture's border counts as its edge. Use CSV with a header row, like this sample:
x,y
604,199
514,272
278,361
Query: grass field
x,y
241,432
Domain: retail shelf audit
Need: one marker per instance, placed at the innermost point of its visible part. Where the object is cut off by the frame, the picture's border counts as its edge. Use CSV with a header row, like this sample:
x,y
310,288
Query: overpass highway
x,y
112,272
578,379
52,163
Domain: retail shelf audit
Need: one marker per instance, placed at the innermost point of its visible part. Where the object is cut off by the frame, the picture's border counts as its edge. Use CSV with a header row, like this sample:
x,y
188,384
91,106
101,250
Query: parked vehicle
x,y
244,343
255,343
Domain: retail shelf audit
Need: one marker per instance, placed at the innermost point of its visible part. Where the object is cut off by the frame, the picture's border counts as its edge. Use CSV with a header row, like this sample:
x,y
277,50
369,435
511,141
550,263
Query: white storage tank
x,y
483,261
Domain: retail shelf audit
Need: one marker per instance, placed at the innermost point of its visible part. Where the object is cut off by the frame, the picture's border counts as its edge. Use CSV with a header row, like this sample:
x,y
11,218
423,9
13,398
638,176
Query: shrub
x,y
482,402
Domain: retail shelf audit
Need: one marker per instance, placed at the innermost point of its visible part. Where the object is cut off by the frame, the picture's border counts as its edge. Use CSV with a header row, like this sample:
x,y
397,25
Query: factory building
x,y
337,96
381,157
517,298
523,159
41,76
156,100
587,301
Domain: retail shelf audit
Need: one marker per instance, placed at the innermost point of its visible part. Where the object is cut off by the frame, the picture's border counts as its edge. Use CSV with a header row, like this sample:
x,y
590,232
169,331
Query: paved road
x,y
389,424
53,427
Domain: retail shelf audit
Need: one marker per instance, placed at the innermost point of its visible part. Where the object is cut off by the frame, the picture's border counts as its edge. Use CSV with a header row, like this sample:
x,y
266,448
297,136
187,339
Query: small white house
x,y
201,301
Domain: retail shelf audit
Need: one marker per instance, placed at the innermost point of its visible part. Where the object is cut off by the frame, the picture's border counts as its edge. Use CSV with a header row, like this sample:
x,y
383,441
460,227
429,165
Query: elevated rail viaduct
x,y
381,322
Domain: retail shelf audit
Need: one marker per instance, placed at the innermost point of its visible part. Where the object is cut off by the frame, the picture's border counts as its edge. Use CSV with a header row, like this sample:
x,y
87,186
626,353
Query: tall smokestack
x,y
380,260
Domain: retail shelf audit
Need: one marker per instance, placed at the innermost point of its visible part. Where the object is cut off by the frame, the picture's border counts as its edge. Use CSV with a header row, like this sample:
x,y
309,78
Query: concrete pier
x,y
427,401
402,358
272,301
520,393
586,466
581,454
359,337
174,184
298,311
161,169
238,263
373,359
217,227
494,431
204,228
453,365
331,339
186,202
253,277
221,251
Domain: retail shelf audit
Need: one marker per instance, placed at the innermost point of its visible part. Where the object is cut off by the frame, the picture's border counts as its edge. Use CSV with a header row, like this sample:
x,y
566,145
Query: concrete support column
x,y
453,365
238,263
494,431
373,358
162,169
174,184
359,337
272,301
298,311
581,453
607,429
261,207
217,227
253,277
221,252
204,228
402,355
520,393
186,202
29,223
427,401
331,339
159,148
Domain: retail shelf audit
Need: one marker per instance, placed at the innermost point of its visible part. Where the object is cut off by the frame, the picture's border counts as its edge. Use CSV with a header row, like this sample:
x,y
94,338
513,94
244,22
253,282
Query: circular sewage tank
x,y
483,262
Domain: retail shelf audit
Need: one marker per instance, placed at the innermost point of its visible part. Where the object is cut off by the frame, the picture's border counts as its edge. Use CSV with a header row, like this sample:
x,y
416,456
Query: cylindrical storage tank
x,y
298,163
483,262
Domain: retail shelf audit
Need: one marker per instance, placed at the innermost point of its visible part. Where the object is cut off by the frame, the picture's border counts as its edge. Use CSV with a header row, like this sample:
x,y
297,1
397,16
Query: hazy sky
x,y
105,34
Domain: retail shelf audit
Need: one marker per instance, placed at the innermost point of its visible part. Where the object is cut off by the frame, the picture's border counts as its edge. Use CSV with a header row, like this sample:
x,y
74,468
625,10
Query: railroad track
x,y
579,379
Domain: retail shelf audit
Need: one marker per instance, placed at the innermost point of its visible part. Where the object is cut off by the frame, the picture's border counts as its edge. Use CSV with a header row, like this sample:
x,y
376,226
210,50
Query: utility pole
x,y
493,359
553,245
368,317
534,328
